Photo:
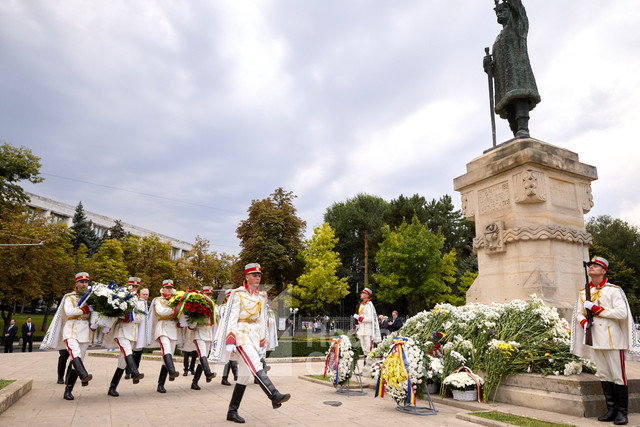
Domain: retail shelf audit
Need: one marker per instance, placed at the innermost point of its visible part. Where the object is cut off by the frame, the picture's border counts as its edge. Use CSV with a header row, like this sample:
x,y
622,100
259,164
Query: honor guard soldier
x,y
201,338
165,332
125,334
243,330
70,327
368,328
231,364
612,338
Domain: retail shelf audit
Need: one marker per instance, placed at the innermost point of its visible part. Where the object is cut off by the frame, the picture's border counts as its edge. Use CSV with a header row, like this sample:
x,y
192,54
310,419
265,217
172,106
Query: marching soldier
x,y
125,334
243,330
202,337
70,327
165,332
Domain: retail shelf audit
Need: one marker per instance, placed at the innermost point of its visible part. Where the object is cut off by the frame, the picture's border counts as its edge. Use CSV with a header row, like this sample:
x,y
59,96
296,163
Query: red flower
x,y
187,305
430,351
192,310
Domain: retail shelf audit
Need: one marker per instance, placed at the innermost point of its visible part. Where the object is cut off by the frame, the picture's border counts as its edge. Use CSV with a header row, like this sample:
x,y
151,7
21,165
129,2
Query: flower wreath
x,y
339,361
402,372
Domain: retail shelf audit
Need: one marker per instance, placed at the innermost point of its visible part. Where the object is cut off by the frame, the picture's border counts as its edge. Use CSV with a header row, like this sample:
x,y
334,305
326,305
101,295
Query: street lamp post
x,y
293,326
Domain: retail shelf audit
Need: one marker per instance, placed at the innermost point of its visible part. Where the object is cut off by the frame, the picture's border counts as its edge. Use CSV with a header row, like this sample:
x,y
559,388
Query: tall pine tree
x,y
83,232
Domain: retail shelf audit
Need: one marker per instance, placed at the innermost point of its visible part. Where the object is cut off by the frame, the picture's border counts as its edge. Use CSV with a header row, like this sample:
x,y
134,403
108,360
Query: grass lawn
x,y
4,383
318,377
517,420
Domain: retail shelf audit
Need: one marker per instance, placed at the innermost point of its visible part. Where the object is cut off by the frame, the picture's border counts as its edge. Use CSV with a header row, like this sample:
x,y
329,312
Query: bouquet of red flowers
x,y
195,307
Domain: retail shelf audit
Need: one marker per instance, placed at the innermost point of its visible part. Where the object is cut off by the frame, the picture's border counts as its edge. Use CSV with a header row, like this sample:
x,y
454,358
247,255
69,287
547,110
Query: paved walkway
x,y
141,405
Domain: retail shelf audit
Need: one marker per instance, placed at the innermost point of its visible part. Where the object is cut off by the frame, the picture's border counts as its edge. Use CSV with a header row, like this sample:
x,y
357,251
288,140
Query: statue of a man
x,y
516,92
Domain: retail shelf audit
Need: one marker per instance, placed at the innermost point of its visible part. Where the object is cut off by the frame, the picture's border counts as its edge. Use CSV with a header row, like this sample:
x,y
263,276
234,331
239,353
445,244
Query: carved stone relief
x,y
529,187
586,198
495,237
494,198
467,205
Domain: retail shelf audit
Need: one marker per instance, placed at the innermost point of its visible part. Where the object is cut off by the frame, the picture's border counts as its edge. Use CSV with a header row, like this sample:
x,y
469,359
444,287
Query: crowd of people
x,y
240,338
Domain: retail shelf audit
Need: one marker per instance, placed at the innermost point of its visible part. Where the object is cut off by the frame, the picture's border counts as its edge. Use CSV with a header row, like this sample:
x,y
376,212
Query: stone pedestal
x,y
528,200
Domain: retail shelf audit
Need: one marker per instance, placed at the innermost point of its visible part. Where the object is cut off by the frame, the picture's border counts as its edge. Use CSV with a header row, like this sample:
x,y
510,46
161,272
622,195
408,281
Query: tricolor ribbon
x,y
85,297
178,310
335,350
473,377
397,351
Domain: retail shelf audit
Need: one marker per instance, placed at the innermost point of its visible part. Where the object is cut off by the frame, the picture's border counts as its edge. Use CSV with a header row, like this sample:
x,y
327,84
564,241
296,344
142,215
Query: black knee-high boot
x,y
62,364
162,378
168,362
622,404
131,364
234,369
207,370
277,398
609,391
236,398
114,382
196,378
85,377
72,376
225,374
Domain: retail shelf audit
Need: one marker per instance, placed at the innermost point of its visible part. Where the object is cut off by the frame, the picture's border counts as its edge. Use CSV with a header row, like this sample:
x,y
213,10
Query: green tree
x,y
116,232
272,235
26,271
16,164
202,267
108,263
83,232
150,259
412,266
349,220
319,285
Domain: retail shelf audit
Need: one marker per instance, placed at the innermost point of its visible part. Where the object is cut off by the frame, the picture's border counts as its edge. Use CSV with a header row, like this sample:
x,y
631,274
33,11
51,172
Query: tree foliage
x,y
413,267
116,232
618,242
108,263
150,259
83,233
319,285
349,220
31,272
272,235
16,164
202,267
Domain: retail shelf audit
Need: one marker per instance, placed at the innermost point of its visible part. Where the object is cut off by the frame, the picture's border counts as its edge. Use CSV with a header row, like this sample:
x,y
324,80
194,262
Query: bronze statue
x,y
516,92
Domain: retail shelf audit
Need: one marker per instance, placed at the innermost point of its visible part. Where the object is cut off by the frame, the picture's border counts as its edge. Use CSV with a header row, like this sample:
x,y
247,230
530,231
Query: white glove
x,y
588,305
90,308
231,348
585,327
262,352
356,316
105,330
93,326
180,325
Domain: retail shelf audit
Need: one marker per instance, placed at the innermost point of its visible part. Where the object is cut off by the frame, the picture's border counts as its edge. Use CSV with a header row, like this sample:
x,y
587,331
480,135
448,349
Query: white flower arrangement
x,y
463,381
397,373
339,362
109,302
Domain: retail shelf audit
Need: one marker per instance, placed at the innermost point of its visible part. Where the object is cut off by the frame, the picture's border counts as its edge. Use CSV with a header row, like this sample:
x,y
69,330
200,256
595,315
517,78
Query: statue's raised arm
x,y
516,92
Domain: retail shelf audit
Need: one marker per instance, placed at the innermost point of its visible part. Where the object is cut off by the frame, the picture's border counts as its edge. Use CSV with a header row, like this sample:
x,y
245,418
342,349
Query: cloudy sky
x,y
175,115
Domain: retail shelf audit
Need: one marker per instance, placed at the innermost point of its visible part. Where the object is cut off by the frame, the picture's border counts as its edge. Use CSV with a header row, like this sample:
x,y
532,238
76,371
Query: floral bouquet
x,y
109,302
192,307
463,379
340,360
403,372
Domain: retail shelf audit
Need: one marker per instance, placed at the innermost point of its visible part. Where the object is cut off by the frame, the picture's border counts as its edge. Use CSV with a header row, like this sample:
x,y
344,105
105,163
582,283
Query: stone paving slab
x,y
141,405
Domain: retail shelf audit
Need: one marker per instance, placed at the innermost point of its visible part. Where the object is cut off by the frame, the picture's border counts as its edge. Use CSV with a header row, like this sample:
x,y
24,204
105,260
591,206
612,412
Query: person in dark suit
x,y
9,336
27,335
395,323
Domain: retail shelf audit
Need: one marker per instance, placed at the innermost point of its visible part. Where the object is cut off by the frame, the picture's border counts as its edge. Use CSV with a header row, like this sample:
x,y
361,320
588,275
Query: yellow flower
x,y
547,354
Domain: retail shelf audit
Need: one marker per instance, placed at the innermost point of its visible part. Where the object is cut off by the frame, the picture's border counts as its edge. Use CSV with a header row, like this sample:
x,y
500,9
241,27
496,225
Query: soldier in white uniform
x,y
243,330
125,333
613,335
200,339
368,328
70,328
165,332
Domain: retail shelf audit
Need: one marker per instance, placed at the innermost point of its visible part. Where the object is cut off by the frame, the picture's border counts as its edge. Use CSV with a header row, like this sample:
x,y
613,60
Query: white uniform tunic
x,y
244,324
165,329
76,333
126,333
612,331
368,328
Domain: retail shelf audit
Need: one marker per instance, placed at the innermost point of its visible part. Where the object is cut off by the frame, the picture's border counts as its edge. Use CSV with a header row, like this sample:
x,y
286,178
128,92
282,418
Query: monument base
x,y
576,395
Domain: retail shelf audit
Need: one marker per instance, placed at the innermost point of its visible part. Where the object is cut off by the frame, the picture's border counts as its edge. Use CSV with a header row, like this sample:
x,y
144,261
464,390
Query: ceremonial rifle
x,y
588,338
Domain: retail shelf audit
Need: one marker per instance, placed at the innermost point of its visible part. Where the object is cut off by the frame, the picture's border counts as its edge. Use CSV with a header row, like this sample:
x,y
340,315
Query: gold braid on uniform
x,y
256,308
